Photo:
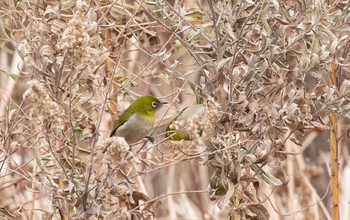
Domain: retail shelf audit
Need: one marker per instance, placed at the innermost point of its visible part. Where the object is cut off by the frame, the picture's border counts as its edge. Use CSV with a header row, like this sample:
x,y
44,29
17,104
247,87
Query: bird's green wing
x,y
122,119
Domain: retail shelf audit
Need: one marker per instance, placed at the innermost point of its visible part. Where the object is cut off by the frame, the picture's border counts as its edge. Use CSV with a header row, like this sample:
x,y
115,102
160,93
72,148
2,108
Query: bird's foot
x,y
150,138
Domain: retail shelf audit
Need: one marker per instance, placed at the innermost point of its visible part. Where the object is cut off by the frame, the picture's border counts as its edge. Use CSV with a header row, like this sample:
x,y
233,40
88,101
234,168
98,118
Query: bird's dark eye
x,y
154,104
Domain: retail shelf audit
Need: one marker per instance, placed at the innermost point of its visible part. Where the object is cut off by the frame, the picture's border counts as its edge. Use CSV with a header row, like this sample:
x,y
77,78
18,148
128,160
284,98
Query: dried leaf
x,y
260,212
267,177
225,200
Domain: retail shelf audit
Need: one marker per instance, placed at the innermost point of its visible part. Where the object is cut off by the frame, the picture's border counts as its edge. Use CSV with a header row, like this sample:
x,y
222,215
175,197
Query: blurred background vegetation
x,y
272,76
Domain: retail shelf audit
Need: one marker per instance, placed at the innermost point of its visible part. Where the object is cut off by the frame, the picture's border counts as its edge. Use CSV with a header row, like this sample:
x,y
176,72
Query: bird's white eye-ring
x,y
154,104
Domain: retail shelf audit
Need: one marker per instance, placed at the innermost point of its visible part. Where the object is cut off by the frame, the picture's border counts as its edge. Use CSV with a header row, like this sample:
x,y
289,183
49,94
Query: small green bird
x,y
184,115
137,120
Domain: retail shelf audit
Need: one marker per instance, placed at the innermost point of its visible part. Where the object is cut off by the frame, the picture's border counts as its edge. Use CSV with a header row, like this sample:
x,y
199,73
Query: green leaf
x,y
12,75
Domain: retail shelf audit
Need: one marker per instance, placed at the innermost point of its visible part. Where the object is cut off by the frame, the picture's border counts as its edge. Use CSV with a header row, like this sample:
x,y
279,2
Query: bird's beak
x,y
162,103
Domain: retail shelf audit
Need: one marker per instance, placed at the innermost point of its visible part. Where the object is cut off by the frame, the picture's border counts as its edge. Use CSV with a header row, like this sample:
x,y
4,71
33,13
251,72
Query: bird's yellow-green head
x,y
137,120
145,106
184,115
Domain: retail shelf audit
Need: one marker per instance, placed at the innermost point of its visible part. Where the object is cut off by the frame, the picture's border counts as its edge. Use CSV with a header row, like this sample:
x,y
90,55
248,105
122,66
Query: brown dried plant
x,y
267,73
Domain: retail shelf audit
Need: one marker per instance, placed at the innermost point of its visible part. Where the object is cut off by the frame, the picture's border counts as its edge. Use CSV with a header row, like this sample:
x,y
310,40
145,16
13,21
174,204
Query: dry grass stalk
x,y
334,152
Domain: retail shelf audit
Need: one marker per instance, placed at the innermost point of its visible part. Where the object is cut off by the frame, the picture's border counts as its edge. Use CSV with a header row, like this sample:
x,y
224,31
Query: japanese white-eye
x,y
184,115
137,120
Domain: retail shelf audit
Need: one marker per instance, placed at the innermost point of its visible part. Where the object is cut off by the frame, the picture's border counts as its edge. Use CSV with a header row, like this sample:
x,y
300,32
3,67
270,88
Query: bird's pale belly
x,y
134,129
